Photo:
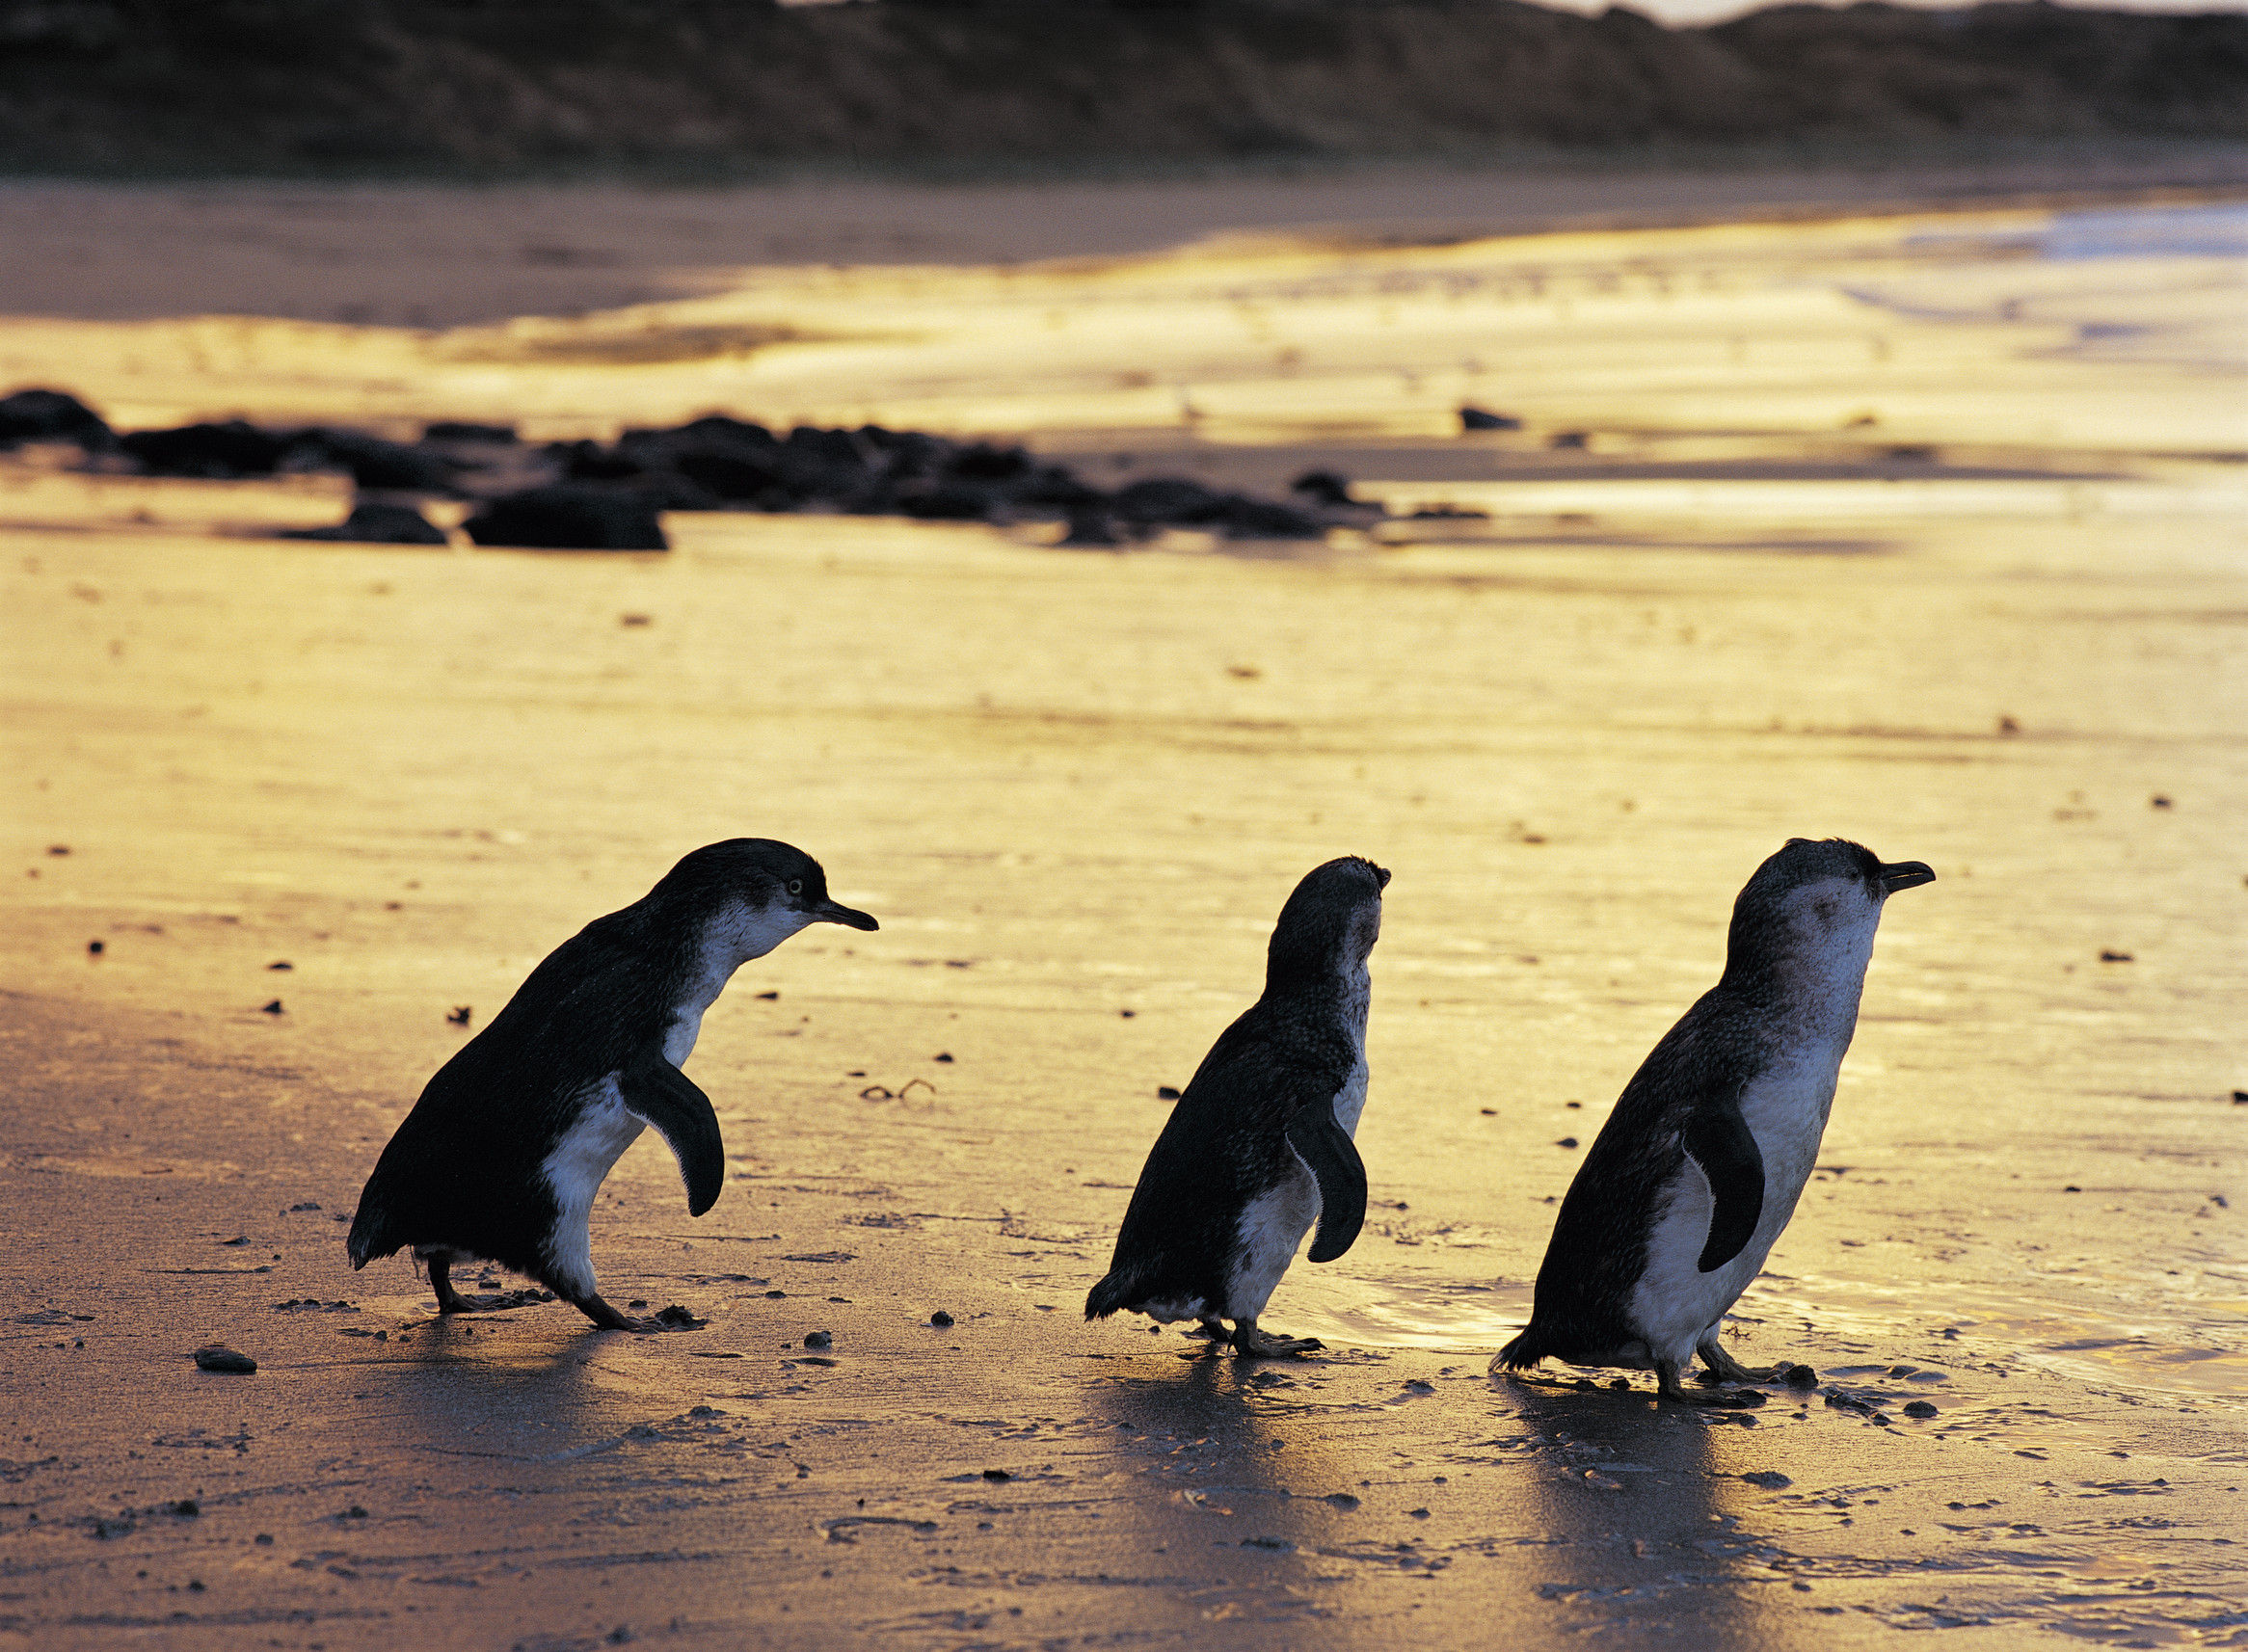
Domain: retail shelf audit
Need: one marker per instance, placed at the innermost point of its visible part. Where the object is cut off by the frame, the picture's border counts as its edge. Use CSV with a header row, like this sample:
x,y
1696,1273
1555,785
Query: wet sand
x,y
1073,786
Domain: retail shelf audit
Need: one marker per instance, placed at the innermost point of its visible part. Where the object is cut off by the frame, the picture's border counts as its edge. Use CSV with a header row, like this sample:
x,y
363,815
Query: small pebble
x,y
274,1008
1566,1141
940,1319
95,948
1918,1408
1800,1376
997,1474
217,1356
1165,1093
819,1340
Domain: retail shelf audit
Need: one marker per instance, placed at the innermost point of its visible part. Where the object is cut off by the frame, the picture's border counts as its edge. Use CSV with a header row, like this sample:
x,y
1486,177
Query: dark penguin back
x,y
463,1171
1700,1068
1225,1142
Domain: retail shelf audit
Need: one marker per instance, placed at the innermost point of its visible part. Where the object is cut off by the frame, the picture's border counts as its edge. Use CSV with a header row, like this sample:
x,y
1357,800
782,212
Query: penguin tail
x,y
1112,1293
368,1239
1526,1349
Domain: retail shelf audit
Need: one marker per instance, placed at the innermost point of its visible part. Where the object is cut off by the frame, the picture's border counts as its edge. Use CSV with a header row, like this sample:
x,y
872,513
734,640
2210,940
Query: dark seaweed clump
x,y
591,495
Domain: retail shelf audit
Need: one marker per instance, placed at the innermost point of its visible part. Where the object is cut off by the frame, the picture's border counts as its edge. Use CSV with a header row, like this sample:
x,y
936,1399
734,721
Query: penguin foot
x,y
671,1319
1723,1368
1250,1342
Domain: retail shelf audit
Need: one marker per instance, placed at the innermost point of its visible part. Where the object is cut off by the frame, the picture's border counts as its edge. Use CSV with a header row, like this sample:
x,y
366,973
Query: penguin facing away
x,y
501,1157
1698,1167
1259,1145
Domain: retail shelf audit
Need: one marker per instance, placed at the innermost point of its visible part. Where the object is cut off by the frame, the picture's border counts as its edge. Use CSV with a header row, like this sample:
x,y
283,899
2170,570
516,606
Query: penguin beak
x,y
1905,874
833,912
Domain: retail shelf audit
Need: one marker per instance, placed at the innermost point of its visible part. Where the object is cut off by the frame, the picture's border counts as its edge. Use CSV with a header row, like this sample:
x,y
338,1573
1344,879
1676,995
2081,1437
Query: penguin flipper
x,y
656,1091
1326,1147
1719,1140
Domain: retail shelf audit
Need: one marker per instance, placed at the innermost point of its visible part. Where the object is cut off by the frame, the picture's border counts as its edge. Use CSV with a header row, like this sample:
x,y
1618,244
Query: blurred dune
x,y
141,86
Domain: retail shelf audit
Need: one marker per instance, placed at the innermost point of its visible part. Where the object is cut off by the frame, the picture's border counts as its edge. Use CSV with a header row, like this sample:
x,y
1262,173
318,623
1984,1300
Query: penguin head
x,y
752,893
1330,922
1815,900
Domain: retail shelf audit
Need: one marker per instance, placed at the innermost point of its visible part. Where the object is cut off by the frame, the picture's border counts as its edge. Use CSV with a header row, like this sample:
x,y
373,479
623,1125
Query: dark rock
x,y
1090,526
1171,500
458,430
1165,1093
1918,1408
1771,1479
1800,1376
1569,438
377,524
678,1318
734,476
818,1339
52,415
1243,517
997,1474
219,451
1053,487
565,518
217,1356
949,503
1325,487
1476,419
981,462
940,1319
372,462
2108,955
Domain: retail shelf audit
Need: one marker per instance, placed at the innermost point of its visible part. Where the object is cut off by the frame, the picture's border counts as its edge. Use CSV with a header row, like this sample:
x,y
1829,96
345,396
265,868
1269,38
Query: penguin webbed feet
x,y
607,1319
1250,1342
1666,1387
1721,1366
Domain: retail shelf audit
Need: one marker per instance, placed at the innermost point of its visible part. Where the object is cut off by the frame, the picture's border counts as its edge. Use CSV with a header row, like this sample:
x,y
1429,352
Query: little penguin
x,y
499,1159
1259,1145
1699,1168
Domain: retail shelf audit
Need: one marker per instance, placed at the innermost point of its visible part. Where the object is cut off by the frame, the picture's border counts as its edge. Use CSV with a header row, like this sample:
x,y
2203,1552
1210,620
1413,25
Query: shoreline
x,y
430,254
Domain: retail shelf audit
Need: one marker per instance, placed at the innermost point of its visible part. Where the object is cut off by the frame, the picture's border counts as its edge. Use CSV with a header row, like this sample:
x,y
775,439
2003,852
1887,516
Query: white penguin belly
x,y
575,1171
1272,1226
1675,1305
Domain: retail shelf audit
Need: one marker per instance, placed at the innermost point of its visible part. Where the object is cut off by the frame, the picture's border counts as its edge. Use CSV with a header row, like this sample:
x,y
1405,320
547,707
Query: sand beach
x,y
1924,527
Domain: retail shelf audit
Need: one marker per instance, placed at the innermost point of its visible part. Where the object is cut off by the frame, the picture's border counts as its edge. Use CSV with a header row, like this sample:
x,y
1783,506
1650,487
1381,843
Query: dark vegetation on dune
x,y
721,88
591,495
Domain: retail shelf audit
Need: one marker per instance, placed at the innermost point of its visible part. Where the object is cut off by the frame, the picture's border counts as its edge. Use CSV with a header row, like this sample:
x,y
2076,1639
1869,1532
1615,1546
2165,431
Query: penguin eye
x,y
795,885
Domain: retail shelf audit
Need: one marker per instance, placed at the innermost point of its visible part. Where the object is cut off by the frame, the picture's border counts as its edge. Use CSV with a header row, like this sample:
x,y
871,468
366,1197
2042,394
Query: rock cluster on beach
x,y
591,495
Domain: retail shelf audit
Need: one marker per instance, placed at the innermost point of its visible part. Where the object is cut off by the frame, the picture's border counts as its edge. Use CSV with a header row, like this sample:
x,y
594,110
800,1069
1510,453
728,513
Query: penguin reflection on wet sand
x,y
499,1159
1699,1168
1259,1145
